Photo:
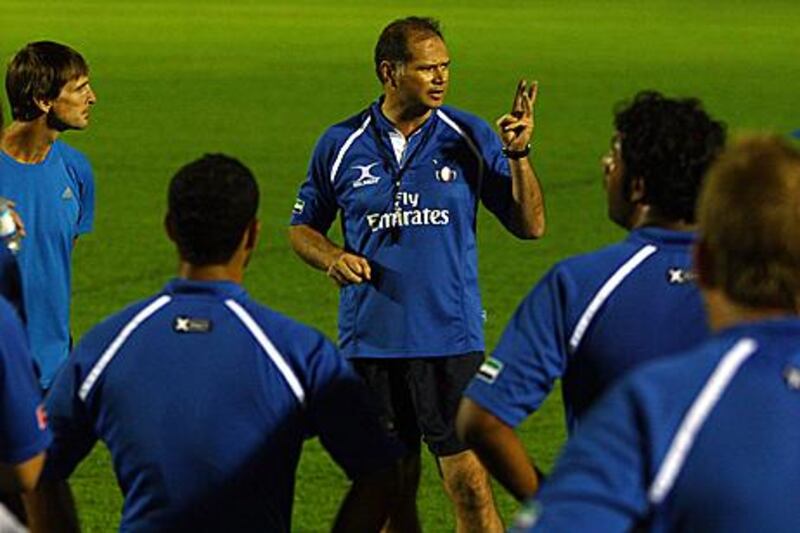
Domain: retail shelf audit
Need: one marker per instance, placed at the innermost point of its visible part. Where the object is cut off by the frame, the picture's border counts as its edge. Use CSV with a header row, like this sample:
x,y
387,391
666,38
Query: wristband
x,y
517,154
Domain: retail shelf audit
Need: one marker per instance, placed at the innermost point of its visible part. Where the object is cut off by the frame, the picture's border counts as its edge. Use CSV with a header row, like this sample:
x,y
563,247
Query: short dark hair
x,y
749,213
668,143
40,70
392,45
211,203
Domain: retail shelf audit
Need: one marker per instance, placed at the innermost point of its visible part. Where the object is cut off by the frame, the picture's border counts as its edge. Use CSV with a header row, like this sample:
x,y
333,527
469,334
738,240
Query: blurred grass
x,y
261,80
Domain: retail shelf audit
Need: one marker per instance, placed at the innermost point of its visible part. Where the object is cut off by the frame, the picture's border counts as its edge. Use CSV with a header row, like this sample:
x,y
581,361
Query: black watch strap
x,y
517,154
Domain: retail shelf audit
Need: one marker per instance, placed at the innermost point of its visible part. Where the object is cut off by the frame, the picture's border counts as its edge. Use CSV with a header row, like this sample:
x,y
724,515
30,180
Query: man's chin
x,y
56,123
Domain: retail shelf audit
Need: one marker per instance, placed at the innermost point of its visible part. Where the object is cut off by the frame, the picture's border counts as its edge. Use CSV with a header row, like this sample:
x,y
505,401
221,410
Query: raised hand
x,y
516,127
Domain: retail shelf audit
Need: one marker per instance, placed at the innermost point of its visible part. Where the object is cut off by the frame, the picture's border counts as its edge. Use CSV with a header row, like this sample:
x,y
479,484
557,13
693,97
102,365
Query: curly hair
x,y
392,45
670,144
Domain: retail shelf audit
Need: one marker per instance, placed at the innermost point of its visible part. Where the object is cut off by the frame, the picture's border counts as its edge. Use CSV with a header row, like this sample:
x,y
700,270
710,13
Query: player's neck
x,y
226,272
29,142
407,119
650,217
725,313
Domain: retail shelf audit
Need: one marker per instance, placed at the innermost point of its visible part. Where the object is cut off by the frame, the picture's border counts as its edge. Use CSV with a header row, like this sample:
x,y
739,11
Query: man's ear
x,y
702,261
637,190
43,104
388,73
252,233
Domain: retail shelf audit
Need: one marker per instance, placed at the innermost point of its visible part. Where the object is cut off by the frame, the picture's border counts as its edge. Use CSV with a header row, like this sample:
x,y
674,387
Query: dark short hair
x,y
392,45
211,202
40,70
749,213
669,143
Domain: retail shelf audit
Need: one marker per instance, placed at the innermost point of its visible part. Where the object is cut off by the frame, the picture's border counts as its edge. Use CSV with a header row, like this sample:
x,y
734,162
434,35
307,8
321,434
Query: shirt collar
x,y
222,289
662,236
384,125
48,158
779,325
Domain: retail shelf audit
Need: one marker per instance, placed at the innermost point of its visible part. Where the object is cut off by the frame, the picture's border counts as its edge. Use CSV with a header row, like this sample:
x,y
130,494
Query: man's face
x,y
422,81
70,110
620,208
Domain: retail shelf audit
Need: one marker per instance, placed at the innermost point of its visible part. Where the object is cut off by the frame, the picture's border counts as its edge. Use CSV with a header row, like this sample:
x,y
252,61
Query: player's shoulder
x,y
467,122
576,279
74,159
100,337
594,264
461,117
286,334
71,154
679,376
339,132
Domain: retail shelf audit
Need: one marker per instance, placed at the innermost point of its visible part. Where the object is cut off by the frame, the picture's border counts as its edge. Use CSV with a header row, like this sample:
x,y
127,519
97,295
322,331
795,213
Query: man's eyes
x,y
431,68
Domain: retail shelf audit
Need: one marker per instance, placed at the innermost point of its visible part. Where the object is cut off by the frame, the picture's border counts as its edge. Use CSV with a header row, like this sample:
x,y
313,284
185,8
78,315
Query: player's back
x,y
204,429
742,472
589,321
634,301
705,440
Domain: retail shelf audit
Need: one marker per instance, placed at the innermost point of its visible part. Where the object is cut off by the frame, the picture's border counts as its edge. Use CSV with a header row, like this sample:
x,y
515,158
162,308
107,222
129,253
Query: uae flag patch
x,y
489,370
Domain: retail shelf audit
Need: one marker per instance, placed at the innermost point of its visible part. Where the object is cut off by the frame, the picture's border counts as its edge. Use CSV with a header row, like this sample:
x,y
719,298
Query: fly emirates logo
x,y
408,213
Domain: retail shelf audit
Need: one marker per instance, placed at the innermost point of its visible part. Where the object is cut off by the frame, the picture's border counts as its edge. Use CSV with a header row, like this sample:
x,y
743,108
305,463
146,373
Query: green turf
x,y
261,80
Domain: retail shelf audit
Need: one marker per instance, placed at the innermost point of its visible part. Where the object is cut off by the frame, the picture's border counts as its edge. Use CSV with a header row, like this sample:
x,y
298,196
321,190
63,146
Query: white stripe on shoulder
x,y
470,143
605,291
272,352
116,344
696,416
346,146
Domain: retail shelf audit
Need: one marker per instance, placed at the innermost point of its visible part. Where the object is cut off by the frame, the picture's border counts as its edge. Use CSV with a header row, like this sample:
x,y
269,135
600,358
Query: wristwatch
x,y
517,154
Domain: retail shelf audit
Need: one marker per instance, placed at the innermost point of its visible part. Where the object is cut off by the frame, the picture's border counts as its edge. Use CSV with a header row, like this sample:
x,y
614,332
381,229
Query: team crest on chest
x,y
366,177
446,174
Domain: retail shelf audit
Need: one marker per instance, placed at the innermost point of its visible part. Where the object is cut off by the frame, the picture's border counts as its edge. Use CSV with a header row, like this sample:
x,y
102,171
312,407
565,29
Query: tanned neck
x,y
651,217
29,142
405,118
228,272
725,313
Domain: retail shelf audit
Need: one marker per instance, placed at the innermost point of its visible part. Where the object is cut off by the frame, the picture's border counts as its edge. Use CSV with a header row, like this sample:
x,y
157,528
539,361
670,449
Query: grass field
x,y
261,80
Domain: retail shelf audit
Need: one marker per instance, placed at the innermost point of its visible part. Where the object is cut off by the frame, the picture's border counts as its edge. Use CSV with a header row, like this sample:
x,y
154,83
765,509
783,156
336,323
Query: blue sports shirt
x,y
23,431
590,319
204,399
415,221
705,441
55,199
